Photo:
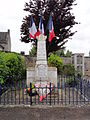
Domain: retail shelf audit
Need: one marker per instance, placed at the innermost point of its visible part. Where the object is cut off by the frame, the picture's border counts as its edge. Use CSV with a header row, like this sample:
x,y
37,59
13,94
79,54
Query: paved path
x,y
45,113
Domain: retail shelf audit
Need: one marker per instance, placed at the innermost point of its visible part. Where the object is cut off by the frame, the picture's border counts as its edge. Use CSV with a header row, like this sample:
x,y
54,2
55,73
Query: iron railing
x,y
70,91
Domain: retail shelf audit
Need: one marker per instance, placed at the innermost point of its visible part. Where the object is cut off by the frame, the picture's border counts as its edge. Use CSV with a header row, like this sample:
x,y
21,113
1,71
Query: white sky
x,y
12,13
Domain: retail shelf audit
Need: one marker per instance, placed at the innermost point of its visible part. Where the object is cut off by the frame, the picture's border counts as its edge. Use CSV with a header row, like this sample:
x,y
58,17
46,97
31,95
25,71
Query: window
x,y
79,59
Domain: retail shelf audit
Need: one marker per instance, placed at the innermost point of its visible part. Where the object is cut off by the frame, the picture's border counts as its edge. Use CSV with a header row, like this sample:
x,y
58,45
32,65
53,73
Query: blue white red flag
x,y
41,27
51,29
32,30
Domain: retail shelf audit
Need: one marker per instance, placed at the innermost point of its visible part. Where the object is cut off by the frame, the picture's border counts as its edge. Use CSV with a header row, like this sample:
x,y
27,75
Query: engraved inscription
x,y
42,71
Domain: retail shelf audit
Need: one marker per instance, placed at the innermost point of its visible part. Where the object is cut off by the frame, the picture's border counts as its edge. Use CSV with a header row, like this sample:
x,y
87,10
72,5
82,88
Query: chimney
x,y
89,53
9,31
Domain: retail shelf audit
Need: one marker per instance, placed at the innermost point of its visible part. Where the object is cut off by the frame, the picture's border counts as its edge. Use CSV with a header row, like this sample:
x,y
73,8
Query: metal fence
x,y
70,91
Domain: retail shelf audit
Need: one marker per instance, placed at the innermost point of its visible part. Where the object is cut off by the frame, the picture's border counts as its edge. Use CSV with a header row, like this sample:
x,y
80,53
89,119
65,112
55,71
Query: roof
x,y
3,37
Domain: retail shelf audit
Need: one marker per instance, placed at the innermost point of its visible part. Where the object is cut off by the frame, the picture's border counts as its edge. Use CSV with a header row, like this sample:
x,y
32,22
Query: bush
x,y
12,65
3,70
69,70
55,61
72,81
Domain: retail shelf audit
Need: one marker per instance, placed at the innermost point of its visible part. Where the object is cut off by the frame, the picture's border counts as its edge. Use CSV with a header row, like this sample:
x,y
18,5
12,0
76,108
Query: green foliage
x,y
61,53
68,53
3,70
72,81
69,70
55,61
33,52
12,65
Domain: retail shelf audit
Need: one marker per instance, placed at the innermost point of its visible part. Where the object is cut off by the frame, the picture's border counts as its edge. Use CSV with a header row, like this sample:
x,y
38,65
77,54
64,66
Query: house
x,y
5,41
78,60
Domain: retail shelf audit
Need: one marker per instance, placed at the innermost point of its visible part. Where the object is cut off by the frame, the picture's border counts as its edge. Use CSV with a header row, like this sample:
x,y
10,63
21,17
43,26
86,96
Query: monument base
x,y
52,76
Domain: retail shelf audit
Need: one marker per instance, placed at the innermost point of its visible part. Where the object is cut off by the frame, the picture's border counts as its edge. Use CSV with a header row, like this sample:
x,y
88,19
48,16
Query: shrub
x,y
55,61
3,70
12,66
72,81
69,70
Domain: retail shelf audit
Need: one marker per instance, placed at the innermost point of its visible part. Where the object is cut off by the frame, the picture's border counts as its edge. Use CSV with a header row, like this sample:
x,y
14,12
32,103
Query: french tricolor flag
x,y
32,30
51,29
41,27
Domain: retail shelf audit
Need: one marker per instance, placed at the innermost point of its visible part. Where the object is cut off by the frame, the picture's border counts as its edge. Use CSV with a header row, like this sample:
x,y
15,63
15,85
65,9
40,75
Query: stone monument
x,y
41,73
41,67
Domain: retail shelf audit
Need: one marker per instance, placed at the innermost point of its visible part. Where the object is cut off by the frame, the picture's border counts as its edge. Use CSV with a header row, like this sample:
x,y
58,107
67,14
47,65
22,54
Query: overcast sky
x,y
11,16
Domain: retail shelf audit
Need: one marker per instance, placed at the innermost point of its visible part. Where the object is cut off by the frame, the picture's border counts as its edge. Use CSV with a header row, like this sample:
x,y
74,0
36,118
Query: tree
x,y
33,52
68,53
63,21
60,53
69,70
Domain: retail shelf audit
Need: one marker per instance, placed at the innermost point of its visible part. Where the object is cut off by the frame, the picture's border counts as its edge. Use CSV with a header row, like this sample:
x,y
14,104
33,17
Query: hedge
x,y
11,66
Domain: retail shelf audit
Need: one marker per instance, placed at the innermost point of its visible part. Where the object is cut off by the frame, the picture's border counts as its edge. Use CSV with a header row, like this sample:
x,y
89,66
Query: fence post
x,y
65,79
62,89
0,93
81,91
58,92
23,92
4,93
26,95
81,86
88,90
15,92
54,93
30,93
50,94
19,91
46,94
84,93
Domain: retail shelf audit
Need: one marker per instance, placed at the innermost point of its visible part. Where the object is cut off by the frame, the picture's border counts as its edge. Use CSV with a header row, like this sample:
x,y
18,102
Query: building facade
x,y
87,67
80,62
5,41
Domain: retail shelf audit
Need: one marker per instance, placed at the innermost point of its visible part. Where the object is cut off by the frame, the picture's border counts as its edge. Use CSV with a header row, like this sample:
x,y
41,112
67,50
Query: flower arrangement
x,y
27,91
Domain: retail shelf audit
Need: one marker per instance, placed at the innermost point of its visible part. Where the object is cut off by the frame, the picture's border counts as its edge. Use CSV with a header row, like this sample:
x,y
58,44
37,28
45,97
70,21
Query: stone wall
x,y
66,60
29,61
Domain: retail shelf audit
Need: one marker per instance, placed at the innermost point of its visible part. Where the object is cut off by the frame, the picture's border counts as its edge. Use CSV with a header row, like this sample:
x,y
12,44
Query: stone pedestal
x,y
52,76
